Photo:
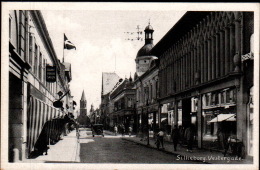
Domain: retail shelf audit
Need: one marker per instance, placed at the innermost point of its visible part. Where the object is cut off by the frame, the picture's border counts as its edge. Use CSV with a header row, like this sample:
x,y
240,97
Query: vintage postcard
x,y
129,85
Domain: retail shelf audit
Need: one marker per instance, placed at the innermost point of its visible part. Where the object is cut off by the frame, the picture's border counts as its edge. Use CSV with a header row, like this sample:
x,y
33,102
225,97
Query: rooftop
x,y
109,80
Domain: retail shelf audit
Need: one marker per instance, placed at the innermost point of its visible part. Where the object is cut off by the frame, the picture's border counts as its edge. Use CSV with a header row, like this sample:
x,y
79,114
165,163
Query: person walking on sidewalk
x,y
115,130
160,137
175,137
130,130
189,133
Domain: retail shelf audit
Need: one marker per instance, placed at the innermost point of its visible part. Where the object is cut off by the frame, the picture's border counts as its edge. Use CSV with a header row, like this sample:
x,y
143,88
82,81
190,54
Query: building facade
x,y
146,99
205,75
122,97
30,95
146,84
109,80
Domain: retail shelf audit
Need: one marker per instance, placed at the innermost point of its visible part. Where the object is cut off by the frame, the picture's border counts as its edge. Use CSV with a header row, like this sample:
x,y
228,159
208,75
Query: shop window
x,y
228,97
217,99
213,99
233,96
179,113
194,104
208,99
223,97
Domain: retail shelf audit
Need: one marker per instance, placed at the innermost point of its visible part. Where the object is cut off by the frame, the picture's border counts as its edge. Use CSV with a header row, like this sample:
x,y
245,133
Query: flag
x,y
67,44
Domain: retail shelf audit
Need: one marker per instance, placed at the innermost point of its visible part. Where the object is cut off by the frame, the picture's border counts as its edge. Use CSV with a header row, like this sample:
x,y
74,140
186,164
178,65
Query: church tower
x,y
143,57
83,104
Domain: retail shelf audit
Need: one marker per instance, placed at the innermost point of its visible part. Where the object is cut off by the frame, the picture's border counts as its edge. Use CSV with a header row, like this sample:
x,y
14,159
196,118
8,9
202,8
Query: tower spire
x,y
83,97
149,34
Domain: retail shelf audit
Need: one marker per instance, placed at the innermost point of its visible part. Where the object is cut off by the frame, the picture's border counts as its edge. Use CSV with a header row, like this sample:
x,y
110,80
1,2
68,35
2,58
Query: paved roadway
x,y
113,149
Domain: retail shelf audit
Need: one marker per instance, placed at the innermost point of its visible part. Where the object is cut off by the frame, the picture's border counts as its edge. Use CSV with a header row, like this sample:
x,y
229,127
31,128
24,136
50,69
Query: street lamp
x,y
148,141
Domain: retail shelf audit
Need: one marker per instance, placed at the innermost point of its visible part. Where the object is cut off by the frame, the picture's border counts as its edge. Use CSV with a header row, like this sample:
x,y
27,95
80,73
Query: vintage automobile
x,y
97,129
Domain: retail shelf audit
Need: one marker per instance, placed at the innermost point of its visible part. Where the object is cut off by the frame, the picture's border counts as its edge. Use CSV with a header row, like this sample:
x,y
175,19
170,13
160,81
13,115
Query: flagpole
x,y
63,54
63,48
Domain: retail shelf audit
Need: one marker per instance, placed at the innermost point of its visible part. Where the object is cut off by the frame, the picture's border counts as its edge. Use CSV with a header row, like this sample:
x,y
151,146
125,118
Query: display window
x,y
218,118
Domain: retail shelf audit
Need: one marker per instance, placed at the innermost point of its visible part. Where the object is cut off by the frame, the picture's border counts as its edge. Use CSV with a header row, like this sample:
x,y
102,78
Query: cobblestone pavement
x,y
112,149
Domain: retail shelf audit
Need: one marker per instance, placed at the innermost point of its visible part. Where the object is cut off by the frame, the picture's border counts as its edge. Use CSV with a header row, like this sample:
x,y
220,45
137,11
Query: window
x,y
44,72
40,67
213,97
35,59
130,104
10,26
156,89
228,96
30,49
217,98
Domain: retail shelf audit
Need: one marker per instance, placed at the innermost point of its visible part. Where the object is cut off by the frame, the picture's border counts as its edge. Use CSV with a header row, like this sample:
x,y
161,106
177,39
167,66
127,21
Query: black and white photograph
x,y
120,85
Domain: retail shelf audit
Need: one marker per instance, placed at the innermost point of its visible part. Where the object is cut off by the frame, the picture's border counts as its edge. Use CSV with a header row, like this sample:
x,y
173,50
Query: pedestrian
x,y
115,130
160,136
130,130
175,137
189,133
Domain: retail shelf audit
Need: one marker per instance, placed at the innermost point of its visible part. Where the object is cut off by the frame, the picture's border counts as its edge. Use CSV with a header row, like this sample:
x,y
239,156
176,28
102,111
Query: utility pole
x,y
133,34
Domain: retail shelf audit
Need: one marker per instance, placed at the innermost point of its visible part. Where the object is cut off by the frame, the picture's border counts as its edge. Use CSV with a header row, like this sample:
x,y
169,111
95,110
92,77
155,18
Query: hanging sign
x,y
50,73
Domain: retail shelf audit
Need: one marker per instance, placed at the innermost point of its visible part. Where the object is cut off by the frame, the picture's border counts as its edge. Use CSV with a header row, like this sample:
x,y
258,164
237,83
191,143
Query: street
x,y
113,149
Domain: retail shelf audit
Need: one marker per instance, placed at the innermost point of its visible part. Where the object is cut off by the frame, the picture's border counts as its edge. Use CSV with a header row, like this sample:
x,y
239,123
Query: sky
x,y
101,43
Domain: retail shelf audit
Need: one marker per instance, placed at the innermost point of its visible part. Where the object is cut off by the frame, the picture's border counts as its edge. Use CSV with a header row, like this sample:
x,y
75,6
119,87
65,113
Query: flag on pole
x,y
67,44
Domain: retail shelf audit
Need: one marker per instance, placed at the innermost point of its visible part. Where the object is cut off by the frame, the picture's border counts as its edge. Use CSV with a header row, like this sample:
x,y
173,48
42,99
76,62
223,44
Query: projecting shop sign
x,y
50,73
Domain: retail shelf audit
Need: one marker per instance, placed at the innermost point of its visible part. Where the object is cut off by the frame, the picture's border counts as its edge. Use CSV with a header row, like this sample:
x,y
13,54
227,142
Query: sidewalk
x,y
66,150
201,155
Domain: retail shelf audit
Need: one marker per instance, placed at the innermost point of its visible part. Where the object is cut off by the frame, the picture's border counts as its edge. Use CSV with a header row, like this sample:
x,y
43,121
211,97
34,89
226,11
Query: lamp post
x,y
147,123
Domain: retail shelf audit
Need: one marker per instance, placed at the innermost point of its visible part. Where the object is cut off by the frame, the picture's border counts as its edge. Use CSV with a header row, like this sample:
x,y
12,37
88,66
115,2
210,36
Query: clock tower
x,y
143,57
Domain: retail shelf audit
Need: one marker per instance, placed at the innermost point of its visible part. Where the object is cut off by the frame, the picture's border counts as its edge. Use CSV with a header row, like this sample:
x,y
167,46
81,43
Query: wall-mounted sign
x,y
58,104
50,73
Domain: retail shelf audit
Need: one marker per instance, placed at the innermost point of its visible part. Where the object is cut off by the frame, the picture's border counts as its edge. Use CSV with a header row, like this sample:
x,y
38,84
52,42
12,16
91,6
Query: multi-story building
x,y
146,83
205,74
123,99
109,80
30,95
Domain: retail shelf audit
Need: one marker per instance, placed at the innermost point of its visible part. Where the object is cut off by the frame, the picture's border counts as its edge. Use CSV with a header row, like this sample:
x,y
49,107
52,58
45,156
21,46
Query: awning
x,y
223,117
163,119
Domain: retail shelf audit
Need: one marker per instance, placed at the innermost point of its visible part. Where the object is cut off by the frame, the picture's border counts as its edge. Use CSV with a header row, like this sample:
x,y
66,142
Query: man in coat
x,y
175,137
189,133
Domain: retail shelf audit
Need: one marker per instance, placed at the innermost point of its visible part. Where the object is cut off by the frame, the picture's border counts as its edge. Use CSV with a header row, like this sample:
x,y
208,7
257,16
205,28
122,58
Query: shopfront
x,y
218,118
